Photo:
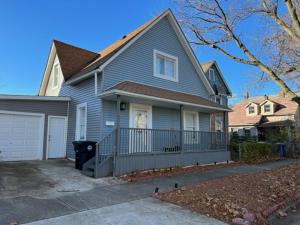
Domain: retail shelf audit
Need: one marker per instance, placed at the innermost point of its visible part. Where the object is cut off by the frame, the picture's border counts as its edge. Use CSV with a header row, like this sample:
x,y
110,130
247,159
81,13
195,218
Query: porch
x,y
146,127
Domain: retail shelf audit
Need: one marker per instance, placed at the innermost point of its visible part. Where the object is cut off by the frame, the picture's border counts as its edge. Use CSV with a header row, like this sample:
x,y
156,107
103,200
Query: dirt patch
x,y
249,197
150,174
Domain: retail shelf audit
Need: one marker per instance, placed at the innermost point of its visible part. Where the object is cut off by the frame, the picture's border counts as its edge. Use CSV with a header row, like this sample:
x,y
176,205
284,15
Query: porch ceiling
x,y
145,94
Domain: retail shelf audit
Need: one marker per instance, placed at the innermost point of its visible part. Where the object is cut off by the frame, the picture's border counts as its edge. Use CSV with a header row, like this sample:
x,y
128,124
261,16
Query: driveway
x,y
45,179
106,200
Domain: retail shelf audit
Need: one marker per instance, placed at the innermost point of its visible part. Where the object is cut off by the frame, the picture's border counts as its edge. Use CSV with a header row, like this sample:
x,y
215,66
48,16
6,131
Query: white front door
x,y
141,121
56,137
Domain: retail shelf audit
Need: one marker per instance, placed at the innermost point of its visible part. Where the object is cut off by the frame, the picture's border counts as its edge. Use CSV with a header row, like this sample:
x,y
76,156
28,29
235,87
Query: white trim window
x,y
191,123
55,75
267,108
81,122
165,66
211,75
218,99
251,109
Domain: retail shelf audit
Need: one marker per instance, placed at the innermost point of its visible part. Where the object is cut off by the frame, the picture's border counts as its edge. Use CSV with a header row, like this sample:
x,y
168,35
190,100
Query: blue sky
x,y
28,27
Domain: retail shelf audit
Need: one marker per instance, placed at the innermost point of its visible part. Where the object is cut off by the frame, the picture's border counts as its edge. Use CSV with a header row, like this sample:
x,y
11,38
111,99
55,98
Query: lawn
x,y
249,197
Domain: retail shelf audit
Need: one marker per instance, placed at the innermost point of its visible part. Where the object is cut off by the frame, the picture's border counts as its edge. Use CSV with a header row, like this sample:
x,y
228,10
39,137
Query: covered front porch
x,y
157,128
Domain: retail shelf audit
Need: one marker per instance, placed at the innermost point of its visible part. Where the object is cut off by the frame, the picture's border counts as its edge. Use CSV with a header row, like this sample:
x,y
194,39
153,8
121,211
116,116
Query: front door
x,y
141,122
56,137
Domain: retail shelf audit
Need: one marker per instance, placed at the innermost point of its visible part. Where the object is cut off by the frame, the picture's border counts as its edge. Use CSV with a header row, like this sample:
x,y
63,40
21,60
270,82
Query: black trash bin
x,y
84,150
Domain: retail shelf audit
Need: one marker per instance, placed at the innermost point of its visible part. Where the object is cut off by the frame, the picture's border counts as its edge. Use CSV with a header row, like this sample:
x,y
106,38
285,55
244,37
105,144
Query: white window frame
x,y
211,75
265,108
184,119
249,110
165,55
53,76
77,131
221,100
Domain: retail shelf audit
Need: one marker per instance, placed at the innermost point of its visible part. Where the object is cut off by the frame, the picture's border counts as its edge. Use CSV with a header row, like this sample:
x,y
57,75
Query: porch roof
x,y
137,90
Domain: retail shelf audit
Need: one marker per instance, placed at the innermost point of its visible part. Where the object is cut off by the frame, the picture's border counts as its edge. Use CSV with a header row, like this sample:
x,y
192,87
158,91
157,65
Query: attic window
x,y
211,75
55,76
267,108
165,66
251,110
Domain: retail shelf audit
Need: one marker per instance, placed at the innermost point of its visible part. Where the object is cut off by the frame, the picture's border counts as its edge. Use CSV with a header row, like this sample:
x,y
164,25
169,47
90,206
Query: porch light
x,y
122,106
156,190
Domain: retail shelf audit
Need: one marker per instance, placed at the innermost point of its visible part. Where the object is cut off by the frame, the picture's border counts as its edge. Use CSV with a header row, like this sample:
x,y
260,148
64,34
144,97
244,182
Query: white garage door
x,y
21,137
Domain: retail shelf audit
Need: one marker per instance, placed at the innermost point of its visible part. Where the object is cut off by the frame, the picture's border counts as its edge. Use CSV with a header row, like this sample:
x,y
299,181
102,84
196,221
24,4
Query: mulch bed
x,y
150,174
241,199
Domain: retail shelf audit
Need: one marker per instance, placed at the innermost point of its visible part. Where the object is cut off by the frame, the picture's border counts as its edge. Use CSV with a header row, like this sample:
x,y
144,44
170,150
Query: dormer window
x,y
267,108
165,66
211,75
251,109
55,76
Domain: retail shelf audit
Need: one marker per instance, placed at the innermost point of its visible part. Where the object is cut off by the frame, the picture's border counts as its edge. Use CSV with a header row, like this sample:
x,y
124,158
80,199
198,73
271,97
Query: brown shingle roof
x,y
283,106
142,89
72,59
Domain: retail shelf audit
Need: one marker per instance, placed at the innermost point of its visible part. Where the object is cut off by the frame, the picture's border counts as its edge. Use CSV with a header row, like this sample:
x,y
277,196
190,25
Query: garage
x,y
33,127
21,136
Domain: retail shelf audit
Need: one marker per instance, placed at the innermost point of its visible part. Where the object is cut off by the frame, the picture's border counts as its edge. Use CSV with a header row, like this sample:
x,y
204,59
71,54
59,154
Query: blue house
x,y
145,99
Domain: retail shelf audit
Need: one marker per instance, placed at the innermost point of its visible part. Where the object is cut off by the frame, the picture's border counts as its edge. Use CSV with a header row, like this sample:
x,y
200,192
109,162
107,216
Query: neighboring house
x,y
263,115
145,99
219,120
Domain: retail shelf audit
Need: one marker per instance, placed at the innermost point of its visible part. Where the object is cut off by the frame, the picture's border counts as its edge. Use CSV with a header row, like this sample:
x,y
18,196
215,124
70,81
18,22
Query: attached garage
x,y
33,127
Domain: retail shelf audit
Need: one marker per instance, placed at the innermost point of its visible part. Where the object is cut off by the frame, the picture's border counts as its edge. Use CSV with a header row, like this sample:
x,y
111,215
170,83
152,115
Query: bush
x,y
255,152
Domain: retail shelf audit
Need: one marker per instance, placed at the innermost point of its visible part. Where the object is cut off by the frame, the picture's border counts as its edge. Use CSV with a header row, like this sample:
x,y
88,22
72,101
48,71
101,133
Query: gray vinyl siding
x,y
204,122
48,108
219,81
83,92
136,62
162,118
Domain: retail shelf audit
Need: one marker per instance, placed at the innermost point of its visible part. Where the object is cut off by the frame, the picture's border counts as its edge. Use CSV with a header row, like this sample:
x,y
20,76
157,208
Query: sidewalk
x,y
27,209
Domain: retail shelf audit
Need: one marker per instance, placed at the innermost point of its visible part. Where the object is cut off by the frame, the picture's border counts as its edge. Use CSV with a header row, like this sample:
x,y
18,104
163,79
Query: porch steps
x,y
104,168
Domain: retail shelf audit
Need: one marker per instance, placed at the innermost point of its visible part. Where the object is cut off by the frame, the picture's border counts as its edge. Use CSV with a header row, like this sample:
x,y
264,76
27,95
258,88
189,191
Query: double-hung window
x,y
191,126
165,66
81,122
251,110
267,108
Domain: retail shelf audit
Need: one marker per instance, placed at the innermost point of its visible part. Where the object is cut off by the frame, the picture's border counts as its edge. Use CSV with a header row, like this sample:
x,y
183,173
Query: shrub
x,y
255,152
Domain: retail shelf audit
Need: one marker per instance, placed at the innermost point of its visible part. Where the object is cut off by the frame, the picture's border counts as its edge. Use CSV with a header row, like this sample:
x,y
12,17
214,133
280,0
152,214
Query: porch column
x,y
181,128
117,141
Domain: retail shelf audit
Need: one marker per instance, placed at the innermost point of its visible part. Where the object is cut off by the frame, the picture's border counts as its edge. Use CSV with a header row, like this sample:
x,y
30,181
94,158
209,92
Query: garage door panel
x,y
21,137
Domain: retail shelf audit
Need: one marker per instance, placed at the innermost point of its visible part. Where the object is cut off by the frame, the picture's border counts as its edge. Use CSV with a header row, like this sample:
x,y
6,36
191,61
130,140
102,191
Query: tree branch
x,y
293,14
273,14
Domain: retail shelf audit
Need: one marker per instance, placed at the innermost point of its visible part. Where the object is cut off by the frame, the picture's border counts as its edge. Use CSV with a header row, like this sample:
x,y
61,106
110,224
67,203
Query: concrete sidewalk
x,y
147,211
28,209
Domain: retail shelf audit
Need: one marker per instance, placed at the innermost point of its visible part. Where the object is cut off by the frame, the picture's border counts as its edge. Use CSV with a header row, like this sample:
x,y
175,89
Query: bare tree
x,y
273,46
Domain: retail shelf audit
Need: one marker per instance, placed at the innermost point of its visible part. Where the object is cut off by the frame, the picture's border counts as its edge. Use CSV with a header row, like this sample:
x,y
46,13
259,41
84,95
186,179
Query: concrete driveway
x,y
45,179
52,192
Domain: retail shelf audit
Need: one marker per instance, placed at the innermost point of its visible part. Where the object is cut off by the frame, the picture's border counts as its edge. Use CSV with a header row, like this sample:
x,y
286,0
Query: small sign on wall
x,y
110,123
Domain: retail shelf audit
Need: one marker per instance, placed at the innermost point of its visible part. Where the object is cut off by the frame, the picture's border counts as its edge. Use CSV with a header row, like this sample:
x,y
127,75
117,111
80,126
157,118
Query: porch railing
x,y
130,149
133,140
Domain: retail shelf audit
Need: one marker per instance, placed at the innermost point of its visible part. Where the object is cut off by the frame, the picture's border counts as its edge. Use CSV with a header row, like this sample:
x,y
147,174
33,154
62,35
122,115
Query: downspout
x,y
96,83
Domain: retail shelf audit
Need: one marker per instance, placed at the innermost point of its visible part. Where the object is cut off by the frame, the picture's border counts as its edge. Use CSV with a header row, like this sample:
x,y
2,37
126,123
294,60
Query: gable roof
x,y
206,66
89,65
72,59
285,106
